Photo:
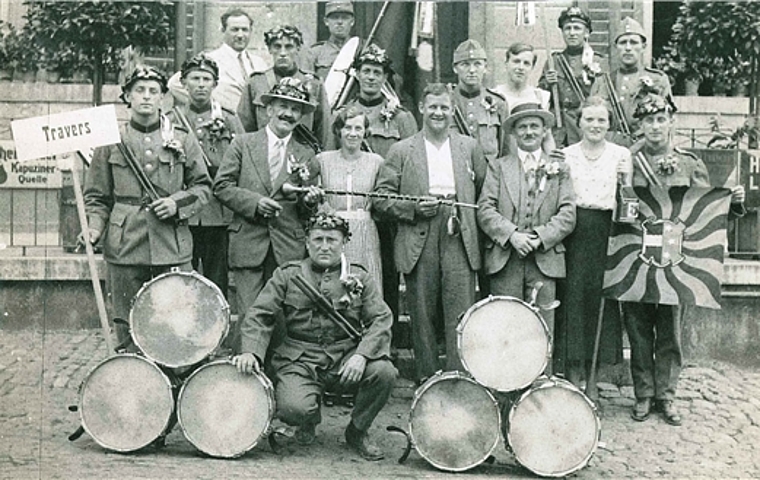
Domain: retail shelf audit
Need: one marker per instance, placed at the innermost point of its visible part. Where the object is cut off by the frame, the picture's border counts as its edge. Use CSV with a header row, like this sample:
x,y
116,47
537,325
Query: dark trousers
x,y
124,282
210,253
655,335
387,233
248,284
299,387
442,280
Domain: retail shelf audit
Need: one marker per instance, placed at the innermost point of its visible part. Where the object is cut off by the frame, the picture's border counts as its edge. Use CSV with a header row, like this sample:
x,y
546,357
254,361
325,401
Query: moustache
x,y
286,118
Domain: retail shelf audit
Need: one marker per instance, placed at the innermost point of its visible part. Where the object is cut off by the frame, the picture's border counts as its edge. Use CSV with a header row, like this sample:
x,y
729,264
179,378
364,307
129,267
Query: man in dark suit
x,y
527,207
436,247
267,229
316,352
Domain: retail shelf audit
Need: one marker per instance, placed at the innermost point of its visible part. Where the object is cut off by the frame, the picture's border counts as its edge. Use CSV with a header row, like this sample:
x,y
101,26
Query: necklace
x,y
593,156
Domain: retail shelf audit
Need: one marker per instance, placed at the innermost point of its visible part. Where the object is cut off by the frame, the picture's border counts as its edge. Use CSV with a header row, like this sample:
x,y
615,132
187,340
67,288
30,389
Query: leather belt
x,y
314,340
136,201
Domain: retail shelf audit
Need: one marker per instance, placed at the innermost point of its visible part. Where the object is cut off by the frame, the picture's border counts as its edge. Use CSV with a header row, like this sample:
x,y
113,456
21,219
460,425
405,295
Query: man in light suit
x,y
436,247
235,63
526,209
267,228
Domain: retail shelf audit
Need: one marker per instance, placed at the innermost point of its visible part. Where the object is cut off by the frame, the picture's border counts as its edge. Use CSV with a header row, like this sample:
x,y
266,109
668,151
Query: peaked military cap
x,y
283,31
574,14
630,26
200,62
469,50
339,7
292,90
143,72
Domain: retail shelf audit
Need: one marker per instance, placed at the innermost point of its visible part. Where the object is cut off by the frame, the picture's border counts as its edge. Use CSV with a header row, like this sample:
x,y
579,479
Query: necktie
x,y
275,159
530,170
241,59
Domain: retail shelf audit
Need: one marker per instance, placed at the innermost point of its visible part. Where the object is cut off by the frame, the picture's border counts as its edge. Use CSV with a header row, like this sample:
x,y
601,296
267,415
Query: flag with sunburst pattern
x,y
673,254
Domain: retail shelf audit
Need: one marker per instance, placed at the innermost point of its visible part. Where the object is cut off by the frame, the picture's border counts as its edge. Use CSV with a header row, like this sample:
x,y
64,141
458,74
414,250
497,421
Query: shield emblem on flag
x,y
661,242
674,254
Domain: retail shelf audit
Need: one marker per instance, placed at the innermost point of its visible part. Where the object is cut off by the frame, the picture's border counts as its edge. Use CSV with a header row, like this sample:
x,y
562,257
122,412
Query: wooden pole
x,y
550,63
91,257
591,391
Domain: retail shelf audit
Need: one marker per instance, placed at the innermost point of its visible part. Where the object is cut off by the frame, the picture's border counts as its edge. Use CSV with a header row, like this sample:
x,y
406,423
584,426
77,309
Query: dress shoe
x,y
642,409
669,412
358,441
306,434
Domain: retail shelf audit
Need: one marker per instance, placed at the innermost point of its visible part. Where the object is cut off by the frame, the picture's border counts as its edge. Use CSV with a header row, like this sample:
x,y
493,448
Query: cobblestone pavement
x,y
40,374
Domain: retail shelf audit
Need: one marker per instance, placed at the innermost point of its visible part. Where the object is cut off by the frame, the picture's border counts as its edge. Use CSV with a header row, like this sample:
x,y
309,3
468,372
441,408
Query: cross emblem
x,y
661,242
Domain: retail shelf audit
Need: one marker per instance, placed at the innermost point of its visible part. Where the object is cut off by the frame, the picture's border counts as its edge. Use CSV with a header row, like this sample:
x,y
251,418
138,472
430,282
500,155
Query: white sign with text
x,y
49,135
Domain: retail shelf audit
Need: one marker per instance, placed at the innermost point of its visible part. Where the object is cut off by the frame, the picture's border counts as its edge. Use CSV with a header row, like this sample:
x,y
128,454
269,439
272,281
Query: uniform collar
x,y
574,51
466,94
629,70
143,129
286,73
317,269
204,109
373,102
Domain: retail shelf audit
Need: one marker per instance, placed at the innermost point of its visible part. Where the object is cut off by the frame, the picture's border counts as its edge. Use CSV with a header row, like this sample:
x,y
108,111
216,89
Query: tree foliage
x,y
95,32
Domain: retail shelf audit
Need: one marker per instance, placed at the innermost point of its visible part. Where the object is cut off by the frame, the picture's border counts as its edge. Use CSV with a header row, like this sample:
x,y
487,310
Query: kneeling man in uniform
x,y
317,353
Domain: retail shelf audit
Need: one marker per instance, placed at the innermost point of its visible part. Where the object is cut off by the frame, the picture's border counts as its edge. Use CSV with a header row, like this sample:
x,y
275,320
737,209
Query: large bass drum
x,y
455,423
179,318
222,412
553,429
503,343
126,402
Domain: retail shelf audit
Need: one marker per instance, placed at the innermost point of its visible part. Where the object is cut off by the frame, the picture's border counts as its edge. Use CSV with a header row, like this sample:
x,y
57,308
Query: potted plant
x,y
6,68
24,55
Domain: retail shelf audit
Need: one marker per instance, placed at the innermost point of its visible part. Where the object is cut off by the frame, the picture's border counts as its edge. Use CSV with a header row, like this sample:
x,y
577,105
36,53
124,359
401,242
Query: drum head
x,y
455,423
503,343
222,412
179,318
126,403
553,429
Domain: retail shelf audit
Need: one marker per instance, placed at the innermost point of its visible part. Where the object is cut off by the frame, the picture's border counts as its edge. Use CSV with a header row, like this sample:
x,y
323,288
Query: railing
x,y
692,137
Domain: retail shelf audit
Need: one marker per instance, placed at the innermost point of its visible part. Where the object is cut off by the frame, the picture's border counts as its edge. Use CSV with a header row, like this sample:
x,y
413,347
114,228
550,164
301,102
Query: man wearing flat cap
x,y
267,228
339,20
316,353
526,209
284,44
655,329
632,81
576,69
144,236
214,126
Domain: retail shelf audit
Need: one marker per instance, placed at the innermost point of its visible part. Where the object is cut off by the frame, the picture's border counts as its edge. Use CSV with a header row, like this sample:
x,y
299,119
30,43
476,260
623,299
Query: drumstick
x,y
591,391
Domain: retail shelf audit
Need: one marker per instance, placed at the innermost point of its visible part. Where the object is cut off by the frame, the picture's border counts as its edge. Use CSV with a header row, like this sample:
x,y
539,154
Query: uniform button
x,y
199,131
469,103
623,88
148,152
200,119
148,167
470,115
147,139
472,128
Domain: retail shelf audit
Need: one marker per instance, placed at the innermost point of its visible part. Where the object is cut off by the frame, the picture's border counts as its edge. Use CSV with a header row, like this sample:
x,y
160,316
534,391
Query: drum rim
x,y
268,387
192,273
83,386
440,376
491,298
548,382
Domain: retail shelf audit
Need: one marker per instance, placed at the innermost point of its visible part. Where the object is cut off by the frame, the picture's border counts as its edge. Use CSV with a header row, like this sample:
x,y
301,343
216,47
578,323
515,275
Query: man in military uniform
x,y
339,19
214,127
284,44
576,69
655,329
389,123
632,81
317,353
144,236
267,228
481,111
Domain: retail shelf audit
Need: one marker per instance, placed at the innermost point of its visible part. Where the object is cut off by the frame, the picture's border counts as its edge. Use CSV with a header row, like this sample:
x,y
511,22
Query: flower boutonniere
x,y
489,104
298,170
351,283
387,113
667,165
215,126
170,143
547,171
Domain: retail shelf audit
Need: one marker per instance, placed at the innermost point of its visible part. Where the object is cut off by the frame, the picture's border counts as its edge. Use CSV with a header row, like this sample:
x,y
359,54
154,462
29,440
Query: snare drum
x,y
179,318
126,402
503,343
553,428
222,412
454,423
